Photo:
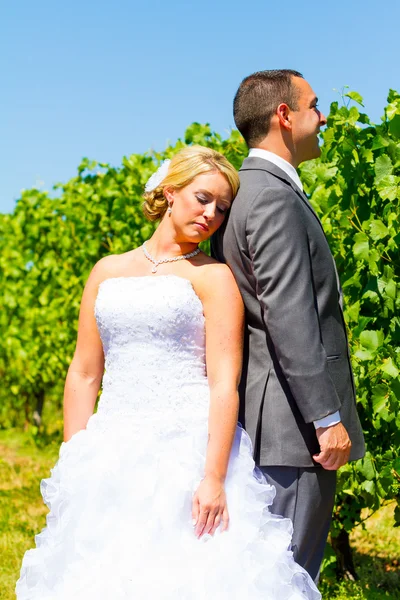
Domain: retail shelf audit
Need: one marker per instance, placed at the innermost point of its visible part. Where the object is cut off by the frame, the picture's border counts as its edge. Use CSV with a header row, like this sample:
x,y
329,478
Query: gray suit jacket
x,y
296,360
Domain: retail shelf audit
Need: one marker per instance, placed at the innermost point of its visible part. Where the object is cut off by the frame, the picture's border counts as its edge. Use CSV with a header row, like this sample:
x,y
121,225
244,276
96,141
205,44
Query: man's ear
x,y
283,114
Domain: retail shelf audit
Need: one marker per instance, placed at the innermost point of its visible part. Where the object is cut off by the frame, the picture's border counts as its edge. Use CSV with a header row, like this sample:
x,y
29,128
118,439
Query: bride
x,y
155,496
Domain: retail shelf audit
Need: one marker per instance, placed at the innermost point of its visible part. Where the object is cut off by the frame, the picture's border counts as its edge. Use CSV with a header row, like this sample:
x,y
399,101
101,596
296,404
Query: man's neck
x,y
280,150
279,161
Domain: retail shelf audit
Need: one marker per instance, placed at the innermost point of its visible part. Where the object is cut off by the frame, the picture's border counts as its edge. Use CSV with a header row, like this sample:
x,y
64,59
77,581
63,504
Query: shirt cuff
x,y
328,421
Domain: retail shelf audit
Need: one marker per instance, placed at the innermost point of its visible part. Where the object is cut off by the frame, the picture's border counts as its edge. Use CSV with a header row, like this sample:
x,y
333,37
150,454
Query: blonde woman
x,y
155,495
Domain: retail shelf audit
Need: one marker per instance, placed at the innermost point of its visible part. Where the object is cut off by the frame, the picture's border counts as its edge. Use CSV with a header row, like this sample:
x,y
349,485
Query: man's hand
x,y
335,447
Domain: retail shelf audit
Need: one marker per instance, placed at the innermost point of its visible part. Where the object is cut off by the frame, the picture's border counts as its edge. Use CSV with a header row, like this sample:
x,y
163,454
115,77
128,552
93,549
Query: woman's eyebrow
x,y
206,192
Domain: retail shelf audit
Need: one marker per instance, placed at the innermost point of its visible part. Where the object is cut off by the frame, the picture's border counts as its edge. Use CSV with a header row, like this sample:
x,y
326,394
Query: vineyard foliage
x,y
48,246
355,189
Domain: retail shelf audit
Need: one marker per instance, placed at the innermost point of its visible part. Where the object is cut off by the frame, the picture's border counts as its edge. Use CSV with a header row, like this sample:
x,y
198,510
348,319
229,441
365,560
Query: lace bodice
x,y
153,335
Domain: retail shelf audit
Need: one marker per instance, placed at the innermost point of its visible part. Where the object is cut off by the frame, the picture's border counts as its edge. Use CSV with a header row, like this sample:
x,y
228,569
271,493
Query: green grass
x,y
22,512
376,552
22,515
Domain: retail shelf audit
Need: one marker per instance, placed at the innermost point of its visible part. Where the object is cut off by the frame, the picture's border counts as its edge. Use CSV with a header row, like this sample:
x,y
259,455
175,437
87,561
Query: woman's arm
x,y
86,369
223,310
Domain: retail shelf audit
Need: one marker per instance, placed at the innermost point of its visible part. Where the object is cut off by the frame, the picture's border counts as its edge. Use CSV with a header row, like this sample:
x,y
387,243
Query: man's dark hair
x,y
257,99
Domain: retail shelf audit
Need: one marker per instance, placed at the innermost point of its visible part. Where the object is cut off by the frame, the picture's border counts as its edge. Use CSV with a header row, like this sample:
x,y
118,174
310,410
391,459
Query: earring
x,y
169,209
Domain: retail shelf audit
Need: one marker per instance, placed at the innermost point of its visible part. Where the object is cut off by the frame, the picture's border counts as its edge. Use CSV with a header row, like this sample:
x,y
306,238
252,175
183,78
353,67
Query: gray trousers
x,y
306,496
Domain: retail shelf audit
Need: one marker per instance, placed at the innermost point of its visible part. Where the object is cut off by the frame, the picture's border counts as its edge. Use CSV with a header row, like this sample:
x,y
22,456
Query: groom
x,y
297,389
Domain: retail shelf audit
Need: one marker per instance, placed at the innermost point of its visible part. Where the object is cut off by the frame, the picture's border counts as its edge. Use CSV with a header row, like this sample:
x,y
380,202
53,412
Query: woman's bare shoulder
x,y
215,279
113,265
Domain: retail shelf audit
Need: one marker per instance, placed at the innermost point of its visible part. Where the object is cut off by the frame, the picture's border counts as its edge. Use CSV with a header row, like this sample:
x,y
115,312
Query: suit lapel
x,y
260,164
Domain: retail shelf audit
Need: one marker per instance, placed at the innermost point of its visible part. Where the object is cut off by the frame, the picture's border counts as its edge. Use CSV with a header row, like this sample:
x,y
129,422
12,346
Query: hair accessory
x,y
154,181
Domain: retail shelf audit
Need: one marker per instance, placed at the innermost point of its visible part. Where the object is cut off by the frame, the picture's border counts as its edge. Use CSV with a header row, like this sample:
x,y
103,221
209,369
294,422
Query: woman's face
x,y
200,208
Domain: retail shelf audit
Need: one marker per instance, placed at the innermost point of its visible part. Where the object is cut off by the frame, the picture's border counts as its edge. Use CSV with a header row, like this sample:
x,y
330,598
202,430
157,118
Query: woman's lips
x,y
202,226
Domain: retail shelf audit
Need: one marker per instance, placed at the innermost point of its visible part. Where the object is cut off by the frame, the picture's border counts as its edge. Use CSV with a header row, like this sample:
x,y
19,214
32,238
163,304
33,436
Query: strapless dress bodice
x,y
153,334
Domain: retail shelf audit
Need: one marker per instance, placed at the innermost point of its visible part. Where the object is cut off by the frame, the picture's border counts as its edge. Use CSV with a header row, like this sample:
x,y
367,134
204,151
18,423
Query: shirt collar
x,y
279,162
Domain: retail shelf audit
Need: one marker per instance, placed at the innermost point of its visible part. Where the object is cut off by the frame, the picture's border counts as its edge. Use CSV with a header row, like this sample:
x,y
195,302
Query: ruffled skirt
x,y
120,525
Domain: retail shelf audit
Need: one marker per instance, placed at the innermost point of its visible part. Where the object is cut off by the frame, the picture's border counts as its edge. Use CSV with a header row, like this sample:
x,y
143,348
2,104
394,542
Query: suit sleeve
x,y
279,250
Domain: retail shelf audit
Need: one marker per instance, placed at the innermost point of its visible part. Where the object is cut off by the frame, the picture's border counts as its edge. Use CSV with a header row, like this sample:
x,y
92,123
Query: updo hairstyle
x,y
187,164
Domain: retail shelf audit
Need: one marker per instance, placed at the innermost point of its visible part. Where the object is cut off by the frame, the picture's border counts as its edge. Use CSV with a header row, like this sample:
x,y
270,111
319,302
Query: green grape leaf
x,y
355,96
361,246
370,342
378,230
389,368
394,126
379,398
367,467
383,168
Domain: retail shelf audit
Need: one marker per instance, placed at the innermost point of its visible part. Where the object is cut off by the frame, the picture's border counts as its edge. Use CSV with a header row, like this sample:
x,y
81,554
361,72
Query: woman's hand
x,y
209,508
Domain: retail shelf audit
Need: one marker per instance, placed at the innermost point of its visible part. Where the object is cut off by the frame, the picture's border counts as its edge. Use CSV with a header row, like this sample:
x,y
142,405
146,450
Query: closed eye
x,y
221,209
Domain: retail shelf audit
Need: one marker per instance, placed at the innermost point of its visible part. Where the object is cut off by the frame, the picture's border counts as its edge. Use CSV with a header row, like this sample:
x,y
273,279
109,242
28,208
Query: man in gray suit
x,y
297,389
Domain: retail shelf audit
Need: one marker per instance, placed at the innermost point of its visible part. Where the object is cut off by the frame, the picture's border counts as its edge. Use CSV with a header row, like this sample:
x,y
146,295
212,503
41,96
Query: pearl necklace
x,y
166,260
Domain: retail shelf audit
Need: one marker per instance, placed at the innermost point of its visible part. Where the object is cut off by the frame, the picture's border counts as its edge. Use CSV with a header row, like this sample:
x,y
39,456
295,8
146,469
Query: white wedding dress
x,y
120,495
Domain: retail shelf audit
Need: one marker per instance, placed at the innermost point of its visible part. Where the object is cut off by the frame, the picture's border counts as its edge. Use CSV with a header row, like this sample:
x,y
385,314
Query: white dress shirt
x,y
279,162
289,169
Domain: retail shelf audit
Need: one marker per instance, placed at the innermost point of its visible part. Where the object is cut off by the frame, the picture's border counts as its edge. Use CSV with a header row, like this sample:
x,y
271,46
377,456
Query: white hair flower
x,y
154,181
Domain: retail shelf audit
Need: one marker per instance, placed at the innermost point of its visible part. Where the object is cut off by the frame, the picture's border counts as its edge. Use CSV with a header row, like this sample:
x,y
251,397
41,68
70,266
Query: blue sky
x,y
106,79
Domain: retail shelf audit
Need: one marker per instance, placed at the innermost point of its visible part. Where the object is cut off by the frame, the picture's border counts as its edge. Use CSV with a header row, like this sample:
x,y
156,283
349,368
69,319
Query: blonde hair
x,y
187,164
